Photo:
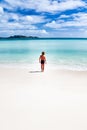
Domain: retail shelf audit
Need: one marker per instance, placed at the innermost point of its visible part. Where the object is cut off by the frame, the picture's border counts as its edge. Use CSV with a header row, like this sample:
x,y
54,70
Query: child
x,y
42,60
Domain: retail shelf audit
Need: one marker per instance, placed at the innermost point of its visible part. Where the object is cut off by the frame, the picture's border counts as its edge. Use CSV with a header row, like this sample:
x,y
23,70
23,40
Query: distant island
x,y
19,37
35,37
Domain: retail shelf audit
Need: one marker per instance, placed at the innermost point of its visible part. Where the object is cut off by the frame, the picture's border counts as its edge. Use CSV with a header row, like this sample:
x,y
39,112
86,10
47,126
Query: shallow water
x,y
61,53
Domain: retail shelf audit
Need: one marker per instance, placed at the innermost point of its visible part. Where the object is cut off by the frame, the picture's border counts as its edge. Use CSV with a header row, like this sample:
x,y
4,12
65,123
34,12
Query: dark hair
x,y
43,53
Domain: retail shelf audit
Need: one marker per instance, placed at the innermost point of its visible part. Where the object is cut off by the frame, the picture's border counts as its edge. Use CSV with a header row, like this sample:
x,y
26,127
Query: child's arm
x,y
45,60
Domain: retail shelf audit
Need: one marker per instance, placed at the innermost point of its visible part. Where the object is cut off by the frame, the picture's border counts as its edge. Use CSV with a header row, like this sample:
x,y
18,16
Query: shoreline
x,y
48,67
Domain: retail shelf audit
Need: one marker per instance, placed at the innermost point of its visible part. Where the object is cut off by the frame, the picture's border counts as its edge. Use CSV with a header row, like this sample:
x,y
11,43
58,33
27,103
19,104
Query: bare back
x,y
42,57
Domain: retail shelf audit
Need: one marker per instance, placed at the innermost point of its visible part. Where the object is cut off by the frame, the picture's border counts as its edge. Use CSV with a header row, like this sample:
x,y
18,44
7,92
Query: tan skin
x,y
42,60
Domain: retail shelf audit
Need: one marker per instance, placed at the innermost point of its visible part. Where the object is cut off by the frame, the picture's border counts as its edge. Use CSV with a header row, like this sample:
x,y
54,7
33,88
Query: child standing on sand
x,y
42,60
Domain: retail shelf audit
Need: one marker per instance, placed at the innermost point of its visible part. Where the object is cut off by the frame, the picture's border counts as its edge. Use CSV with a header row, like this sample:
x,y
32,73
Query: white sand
x,y
53,100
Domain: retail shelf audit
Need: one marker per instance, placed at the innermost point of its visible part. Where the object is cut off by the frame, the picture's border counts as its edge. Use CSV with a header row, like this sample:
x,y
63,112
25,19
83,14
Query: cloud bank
x,y
48,18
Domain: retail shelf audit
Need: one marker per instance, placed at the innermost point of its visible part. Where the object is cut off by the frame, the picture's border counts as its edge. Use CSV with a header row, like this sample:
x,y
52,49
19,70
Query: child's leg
x,y
42,67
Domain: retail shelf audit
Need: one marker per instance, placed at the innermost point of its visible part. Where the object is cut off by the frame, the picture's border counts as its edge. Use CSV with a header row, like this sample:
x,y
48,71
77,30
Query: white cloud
x,y
40,32
16,26
44,31
30,19
64,16
18,23
71,4
5,17
33,19
79,20
55,6
33,32
81,16
24,25
53,24
1,10
46,5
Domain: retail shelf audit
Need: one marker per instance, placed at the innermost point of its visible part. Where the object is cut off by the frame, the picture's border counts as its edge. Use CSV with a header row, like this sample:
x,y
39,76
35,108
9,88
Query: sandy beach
x,y
33,100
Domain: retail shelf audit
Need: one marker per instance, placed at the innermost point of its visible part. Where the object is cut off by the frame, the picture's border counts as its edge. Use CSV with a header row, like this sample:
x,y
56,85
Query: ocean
x,y
61,53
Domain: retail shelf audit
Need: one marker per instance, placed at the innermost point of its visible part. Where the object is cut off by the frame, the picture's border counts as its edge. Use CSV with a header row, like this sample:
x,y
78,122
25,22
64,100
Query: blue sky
x,y
43,18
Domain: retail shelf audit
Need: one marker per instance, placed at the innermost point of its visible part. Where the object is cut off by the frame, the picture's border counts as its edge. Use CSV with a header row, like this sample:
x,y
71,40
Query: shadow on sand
x,y
35,71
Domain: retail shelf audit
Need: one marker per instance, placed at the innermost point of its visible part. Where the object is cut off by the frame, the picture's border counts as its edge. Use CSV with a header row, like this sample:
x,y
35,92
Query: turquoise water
x,y
64,53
